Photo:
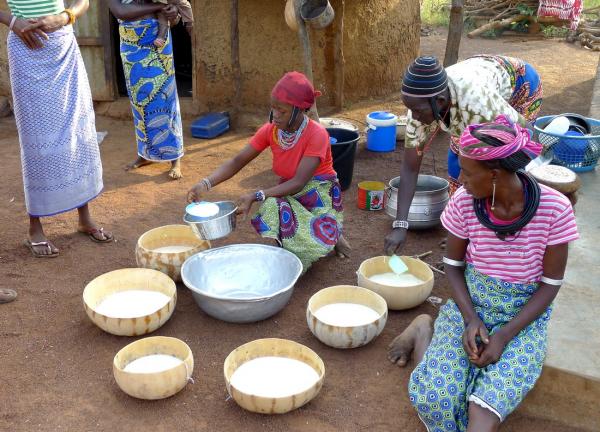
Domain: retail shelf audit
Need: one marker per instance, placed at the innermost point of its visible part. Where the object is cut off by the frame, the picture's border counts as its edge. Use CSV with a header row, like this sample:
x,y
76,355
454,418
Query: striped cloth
x,y
519,259
35,8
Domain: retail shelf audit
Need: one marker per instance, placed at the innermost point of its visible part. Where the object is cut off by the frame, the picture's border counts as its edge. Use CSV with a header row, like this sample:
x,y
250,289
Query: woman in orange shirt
x,y
303,213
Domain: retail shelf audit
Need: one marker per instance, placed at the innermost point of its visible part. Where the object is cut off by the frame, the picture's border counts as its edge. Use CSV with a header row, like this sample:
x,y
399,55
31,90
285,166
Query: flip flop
x,y
7,295
90,234
31,246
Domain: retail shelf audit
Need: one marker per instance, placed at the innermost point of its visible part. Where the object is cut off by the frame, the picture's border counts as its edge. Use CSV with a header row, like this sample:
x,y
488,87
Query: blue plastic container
x,y
381,131
210,125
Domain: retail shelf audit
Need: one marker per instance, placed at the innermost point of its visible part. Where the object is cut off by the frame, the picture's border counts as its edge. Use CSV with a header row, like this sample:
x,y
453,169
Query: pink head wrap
x,y
472,148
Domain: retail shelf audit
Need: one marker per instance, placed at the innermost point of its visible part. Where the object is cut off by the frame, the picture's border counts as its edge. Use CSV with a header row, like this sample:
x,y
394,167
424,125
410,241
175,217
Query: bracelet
x,y
206,182
260,196
400,224
452,262
72,17
12,23
549,281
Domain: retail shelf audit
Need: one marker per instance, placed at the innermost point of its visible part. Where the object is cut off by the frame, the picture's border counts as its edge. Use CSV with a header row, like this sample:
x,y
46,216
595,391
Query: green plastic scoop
x,y
397,265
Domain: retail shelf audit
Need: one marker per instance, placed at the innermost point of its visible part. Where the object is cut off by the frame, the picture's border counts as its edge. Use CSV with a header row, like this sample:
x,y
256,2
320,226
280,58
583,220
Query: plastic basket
x,y
578,153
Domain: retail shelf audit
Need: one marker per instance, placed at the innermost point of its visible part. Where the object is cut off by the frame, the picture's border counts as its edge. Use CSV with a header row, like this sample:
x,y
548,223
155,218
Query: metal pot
x,y
216,227
431,197
318,13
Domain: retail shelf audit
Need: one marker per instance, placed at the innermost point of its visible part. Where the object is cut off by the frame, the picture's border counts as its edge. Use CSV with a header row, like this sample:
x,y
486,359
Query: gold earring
x,y
493,194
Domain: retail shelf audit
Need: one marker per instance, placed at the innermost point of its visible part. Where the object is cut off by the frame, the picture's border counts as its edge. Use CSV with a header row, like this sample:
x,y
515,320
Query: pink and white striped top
x,y
519,258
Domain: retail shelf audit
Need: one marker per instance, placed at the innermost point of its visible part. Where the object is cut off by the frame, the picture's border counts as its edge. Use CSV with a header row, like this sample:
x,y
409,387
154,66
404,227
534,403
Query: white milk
x,y
132,304
396,280
153,363
346,314
203,209
173,249
274,377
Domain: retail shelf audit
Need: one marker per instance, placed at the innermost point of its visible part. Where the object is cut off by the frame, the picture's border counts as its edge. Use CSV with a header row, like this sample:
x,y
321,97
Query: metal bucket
x,y
217,227
318,13
431,197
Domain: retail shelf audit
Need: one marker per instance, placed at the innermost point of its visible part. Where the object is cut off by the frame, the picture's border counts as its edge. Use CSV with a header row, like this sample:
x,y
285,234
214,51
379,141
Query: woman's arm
x,y
30,37
128,12
554,264
456,249
224,172
306,170
51,23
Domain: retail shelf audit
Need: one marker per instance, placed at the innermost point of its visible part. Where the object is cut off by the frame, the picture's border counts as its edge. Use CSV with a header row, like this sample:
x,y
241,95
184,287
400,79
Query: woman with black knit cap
x,y
473,91
506,255
303,213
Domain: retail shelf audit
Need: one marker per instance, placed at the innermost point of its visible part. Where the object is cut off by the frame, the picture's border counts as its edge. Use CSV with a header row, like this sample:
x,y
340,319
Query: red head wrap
x,y
295,89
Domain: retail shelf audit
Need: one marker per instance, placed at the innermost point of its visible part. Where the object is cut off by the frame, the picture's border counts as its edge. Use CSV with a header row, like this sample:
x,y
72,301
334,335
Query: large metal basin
x,y
242,283
431,197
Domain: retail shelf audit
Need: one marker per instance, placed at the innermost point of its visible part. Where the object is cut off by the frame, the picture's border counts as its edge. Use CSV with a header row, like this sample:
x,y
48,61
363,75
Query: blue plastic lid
x,y
382,115
332,140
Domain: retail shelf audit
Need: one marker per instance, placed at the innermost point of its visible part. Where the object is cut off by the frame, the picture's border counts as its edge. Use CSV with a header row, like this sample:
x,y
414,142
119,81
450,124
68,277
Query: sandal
x,y
32,245
94,232
7,295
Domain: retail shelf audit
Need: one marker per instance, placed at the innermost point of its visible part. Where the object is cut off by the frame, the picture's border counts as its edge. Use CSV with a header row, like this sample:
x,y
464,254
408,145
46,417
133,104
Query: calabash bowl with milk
x,y
346,316
166,248
400,292
153,367
131,301
273,376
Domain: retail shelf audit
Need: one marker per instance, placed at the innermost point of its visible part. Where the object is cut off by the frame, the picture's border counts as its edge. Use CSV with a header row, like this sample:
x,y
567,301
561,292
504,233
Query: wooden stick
x,y
235,55
496,25
305,41
455,31
423,255
339,60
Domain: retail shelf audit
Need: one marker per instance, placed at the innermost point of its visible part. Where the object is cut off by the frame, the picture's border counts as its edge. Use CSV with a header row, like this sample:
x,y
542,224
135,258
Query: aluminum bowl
x,y
242,283
216,227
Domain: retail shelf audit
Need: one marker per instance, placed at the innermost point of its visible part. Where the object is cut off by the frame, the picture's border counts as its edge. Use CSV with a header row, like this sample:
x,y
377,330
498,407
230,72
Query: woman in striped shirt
x,y
506,256
54,114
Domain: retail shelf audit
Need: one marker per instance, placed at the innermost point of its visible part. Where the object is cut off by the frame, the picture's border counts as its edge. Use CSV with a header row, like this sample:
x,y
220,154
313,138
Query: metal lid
x,y
332,122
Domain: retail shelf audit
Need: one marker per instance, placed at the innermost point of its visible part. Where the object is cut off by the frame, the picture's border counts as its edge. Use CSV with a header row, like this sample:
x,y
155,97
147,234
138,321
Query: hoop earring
x,y
493,195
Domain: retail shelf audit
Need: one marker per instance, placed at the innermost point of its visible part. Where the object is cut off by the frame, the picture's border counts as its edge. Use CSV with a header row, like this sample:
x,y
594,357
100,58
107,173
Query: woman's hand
x,y
32,37
49,23
171,13
475,328
394,241
196,192
492,351
244,204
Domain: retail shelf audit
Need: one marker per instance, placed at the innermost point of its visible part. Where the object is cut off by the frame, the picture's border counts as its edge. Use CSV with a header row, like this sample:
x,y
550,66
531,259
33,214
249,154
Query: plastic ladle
x,y
397,265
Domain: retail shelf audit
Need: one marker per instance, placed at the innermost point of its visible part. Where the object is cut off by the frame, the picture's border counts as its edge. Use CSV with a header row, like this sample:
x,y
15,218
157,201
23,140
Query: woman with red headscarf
x,y
303,213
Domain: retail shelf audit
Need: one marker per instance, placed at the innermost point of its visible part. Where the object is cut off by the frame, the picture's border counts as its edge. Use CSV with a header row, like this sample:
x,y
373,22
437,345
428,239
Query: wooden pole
x,y
235,55
339,61
455,30
305,41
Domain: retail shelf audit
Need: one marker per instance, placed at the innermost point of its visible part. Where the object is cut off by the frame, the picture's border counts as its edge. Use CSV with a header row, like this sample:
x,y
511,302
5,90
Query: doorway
x,y
182,57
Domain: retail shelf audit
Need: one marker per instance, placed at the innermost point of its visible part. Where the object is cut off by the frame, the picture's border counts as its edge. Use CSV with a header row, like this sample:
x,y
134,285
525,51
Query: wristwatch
x,y
400,224
260,196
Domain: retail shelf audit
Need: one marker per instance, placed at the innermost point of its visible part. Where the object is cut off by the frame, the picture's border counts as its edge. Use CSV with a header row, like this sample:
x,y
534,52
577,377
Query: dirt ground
x,y
55,365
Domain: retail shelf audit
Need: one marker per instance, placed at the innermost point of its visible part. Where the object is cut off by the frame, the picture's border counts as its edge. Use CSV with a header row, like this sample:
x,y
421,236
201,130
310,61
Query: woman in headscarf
x,y
150,78
54,113
476,90
303,213
506,256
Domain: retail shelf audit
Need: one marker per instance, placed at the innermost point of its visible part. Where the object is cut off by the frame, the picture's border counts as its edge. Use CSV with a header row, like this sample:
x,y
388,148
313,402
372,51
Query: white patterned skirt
x,y
54,112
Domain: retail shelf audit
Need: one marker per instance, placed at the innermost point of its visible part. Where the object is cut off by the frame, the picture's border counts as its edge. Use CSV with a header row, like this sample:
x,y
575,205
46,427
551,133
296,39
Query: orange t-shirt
x,y
314,141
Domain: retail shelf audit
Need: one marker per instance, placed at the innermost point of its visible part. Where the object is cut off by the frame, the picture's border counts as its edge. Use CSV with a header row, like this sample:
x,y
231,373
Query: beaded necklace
x,y
287,140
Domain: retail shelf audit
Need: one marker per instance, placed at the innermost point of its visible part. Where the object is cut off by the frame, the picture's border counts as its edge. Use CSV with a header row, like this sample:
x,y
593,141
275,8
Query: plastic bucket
x,y
371,195
381,131
343,152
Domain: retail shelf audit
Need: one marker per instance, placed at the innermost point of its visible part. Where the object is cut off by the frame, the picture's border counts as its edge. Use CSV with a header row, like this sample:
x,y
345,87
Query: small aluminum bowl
x,y
216,227
242,283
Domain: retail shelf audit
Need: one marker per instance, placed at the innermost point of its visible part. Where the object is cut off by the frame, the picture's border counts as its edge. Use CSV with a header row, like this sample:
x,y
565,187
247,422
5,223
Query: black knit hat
x,y
425,77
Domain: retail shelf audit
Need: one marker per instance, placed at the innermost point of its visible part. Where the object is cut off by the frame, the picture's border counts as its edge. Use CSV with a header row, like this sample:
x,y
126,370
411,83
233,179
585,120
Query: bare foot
x,y
139,162
415,337
342,248
175,171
